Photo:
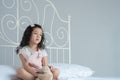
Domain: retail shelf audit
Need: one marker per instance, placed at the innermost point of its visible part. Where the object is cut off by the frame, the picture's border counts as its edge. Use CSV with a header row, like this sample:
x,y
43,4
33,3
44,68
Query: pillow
x,y
7,72
73,71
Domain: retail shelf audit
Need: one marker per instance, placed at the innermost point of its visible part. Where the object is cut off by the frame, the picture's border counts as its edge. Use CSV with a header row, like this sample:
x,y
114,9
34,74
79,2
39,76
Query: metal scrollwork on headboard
x,y
16,15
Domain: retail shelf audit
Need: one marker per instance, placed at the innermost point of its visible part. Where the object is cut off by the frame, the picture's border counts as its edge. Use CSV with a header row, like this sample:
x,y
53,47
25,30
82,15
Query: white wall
x,y
95,32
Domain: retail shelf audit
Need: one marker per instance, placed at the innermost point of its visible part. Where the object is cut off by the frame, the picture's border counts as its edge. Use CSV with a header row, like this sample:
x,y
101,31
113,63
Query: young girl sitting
x,y
33,55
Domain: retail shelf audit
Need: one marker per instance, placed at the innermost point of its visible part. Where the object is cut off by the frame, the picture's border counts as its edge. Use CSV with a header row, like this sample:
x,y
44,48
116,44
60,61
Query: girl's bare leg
x,y
24,75
55,72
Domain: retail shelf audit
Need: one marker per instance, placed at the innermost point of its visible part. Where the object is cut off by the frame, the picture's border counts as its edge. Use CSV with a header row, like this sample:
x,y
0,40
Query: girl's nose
x,y
38,36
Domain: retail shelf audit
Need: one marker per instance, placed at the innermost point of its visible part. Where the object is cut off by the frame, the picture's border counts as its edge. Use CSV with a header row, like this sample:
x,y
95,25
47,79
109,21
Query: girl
x,y
32,54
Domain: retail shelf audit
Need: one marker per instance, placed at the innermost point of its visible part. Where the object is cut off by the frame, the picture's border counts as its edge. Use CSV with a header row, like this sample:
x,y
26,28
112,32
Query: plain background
x,y
95,32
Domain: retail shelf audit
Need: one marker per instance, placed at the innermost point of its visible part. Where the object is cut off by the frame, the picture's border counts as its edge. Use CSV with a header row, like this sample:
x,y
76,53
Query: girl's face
x,y
36,36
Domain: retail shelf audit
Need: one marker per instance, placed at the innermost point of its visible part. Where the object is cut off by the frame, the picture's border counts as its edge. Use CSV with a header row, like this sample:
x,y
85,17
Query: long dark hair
x,y
27,35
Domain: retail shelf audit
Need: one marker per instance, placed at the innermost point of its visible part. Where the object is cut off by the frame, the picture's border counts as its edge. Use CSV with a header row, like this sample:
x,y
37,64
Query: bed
x,y
58,40
67,72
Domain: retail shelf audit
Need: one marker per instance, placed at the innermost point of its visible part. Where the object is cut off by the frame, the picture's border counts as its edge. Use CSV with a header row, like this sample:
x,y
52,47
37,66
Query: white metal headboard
x,y
57,30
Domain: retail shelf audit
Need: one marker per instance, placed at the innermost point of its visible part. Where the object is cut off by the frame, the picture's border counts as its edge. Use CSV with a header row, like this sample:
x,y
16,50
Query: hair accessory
x,y
32,25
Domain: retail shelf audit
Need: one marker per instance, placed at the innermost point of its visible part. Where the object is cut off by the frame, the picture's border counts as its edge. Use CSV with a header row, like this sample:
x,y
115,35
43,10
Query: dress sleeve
x,y
23,52
44,53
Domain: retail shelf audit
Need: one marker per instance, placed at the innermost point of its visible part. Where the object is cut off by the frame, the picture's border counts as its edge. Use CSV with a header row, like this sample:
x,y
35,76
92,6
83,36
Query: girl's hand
x,y
40,72
35,74
51,68
33,65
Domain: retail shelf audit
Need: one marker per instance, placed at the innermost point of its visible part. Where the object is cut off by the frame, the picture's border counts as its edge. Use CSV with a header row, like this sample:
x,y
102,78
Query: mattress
x,y
9,73
94,78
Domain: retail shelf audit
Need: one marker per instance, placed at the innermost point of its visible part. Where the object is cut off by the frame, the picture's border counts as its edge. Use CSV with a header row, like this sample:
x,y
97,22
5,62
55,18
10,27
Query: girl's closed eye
x,y
40,34
35,33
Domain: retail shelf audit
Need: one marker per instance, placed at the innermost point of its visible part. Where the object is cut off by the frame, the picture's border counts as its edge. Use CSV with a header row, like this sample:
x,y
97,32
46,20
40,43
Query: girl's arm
x,y
44,61
26,65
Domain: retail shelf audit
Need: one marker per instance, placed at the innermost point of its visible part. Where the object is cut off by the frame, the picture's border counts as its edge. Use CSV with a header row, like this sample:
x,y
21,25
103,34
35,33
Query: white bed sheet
x,y
8,73
92,78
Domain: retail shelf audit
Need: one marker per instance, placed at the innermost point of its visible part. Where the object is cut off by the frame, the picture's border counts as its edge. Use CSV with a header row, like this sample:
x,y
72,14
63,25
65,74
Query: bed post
x,y
69,37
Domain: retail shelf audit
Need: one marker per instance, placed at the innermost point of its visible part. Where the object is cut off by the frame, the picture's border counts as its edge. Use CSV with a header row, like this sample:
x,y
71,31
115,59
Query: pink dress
x,y
33,57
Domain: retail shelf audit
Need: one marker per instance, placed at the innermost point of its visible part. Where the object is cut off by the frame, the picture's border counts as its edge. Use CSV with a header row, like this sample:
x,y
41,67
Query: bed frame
x,y
57,31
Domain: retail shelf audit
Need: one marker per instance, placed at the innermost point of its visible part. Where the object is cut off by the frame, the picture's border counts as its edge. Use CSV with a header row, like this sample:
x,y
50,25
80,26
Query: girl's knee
x,y
20,71
23,74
